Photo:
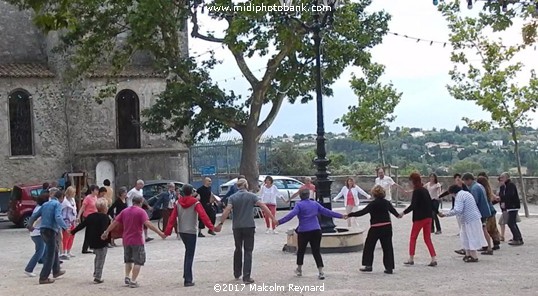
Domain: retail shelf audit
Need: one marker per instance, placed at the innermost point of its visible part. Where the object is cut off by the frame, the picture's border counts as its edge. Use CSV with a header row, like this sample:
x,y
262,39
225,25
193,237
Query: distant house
x,y
444,145
417,134
497,143
474,143
404,146
430,145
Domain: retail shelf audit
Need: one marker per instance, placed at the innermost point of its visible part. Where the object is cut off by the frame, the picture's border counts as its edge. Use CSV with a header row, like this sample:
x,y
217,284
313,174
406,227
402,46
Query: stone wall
x,y
133,164
49,139
367,182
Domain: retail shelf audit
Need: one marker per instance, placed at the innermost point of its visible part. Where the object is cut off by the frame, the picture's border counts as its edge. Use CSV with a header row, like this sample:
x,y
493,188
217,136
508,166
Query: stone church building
x,y
48,127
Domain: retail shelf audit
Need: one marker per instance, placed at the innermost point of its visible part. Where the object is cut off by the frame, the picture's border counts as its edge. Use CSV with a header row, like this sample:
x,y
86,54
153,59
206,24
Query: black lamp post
x,y
323,183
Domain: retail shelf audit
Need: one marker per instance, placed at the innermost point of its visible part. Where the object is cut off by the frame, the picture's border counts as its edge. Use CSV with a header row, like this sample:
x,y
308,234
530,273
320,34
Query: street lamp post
x,y
323,186
323,183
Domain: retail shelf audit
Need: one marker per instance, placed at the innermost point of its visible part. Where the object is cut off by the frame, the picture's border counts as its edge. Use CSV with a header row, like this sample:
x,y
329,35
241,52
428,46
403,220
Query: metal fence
x,y
220,160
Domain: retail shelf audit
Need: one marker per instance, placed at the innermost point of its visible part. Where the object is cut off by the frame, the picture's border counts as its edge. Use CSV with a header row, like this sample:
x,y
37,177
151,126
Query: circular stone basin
x,y
344,240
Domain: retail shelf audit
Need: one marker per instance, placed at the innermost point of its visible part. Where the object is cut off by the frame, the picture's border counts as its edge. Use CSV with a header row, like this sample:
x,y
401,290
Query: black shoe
x,y
496,247
87,252
188,284
149,239
211,232
388,271
460,252
201,234
248,281
484,249
366,269
409,263
98,281
487,252
516,243
433,264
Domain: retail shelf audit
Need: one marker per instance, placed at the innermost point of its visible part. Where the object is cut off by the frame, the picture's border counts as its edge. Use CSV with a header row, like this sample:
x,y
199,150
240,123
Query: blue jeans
x,y
38,255
189,240
52,262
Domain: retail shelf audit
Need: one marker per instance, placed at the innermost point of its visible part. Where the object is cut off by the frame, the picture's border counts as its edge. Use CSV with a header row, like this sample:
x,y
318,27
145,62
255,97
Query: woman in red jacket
x,y
185,214
422,208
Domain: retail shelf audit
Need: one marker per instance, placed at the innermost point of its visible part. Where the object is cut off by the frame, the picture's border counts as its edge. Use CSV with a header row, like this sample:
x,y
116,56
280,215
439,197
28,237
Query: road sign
x,y
208,170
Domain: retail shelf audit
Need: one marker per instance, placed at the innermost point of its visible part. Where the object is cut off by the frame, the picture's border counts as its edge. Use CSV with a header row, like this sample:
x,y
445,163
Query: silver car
x,y
286,186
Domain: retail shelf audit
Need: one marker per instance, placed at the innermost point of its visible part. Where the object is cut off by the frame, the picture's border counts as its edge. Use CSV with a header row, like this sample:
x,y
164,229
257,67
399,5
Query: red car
x,y
22,203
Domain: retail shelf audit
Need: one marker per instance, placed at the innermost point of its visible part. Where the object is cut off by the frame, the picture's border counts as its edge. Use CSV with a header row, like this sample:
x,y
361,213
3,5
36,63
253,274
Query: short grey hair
x,y
242,184
172,184
53,190
140,182
308,179
101,204
506,175
304,194
122,190
138,200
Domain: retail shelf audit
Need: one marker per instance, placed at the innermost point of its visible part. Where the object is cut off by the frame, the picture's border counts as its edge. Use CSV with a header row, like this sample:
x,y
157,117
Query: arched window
x,y
20,123
128,119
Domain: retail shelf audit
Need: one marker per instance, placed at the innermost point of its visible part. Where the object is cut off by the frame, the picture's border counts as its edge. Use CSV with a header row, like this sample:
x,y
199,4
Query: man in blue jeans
x,y
51,225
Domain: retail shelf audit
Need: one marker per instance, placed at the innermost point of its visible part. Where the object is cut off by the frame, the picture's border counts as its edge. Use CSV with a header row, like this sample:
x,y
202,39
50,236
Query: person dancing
x,y
309,230
421,206
380,229
350,192
268,194
471,232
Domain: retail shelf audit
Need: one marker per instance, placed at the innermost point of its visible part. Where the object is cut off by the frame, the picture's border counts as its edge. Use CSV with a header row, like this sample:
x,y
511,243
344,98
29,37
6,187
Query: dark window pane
x,y
128,119
20,123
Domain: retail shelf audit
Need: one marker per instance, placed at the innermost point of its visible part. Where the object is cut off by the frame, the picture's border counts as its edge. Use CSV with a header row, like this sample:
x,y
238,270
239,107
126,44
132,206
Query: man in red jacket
x,y
185,214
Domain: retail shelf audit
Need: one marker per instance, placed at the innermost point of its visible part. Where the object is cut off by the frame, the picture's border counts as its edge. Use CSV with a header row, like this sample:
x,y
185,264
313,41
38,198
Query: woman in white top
x,y
350,192
434,188
268,194
37,239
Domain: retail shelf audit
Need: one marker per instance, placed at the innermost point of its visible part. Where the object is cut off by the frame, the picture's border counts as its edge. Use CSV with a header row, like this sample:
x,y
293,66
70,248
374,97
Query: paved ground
x,y
512,270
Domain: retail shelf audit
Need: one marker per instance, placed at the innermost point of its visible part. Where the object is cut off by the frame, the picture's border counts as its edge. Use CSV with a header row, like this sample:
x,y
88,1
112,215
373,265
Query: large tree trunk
x,y
522,184
381,152
249,159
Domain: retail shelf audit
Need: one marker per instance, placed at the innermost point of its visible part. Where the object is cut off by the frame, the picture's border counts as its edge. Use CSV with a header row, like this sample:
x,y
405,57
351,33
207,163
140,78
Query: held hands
x,y
401,215
218,228
441,214
104,236
162,235
275,222
345,217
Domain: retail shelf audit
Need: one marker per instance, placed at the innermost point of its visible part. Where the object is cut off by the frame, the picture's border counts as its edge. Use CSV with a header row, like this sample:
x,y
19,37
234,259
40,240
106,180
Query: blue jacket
x,y
51,216
482,201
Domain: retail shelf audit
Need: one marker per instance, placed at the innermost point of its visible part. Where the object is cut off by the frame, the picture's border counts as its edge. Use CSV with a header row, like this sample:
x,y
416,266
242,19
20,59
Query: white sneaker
x,y
268,230
30,274
70,255
274,231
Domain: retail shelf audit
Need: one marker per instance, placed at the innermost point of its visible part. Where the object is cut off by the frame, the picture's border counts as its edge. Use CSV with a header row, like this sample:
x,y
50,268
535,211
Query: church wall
x,y
50,157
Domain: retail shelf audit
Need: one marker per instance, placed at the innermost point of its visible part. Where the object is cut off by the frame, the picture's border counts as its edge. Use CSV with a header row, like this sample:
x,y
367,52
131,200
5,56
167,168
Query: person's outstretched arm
x,y
290,215
172,220
362,212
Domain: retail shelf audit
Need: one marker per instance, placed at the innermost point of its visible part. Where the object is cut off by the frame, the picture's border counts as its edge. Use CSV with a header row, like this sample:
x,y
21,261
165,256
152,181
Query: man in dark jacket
x,y
511,204
165,203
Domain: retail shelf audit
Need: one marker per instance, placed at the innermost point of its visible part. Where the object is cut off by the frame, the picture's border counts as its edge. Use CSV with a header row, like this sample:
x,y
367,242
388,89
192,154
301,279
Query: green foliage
x,y
495,84
466,166
376,103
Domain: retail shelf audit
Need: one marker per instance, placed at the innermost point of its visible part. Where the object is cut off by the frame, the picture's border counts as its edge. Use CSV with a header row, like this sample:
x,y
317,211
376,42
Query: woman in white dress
x,y
471,233
434,188
350,192
268,194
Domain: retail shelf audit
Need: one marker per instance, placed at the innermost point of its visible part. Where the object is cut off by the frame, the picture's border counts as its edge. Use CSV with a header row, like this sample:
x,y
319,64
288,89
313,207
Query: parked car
x,y
286,185
22,203
152,188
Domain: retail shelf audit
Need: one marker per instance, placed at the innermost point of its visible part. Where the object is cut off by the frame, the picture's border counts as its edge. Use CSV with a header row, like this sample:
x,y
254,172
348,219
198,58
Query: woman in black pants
x,y
380,229
511,204
309,230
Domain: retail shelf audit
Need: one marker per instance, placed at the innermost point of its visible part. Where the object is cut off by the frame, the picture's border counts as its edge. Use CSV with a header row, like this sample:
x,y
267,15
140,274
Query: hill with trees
x,y
441,151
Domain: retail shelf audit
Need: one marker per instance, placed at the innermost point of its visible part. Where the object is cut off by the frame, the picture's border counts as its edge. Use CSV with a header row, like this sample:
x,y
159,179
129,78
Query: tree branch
x,y
277,103
242,64
196,30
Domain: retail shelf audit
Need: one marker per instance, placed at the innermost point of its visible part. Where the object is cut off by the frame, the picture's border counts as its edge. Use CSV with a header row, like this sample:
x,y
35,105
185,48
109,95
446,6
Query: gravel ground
x,y
511,270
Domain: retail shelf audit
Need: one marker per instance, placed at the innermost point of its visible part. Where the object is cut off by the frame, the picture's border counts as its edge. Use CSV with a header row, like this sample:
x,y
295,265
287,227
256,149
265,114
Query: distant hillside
x,y
440,151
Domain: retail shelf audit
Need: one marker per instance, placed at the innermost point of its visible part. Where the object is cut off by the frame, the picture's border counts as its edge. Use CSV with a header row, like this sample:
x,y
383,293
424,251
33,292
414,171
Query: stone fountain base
x,y
344,240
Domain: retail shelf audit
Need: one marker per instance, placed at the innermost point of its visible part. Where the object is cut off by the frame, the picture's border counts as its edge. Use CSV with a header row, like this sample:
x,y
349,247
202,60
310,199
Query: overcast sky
x,y
418,70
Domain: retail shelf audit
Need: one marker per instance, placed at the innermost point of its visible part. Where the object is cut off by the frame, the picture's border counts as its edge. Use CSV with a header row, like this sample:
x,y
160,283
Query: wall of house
x,y
50,143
